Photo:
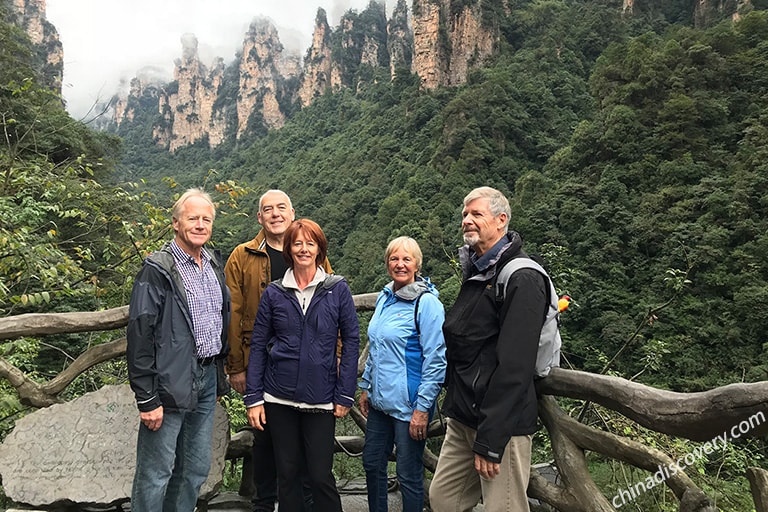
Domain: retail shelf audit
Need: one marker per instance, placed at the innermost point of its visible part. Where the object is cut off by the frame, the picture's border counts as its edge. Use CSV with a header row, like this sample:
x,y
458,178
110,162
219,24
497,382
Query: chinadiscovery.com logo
x,y
689,459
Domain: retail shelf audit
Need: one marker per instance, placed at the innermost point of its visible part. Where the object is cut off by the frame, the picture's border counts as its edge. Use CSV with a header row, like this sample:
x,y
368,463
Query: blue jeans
x,y
173,462
381,434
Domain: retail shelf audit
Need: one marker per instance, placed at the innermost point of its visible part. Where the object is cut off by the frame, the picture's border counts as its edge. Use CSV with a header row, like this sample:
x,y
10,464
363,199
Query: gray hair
x,y
192,192
497,202
408,244
275,191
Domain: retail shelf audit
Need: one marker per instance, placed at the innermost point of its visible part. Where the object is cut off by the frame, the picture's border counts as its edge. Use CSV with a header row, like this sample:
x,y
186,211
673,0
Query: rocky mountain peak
x,y
316,78
258,91
399,39
187,104
471,38
30,16
263,69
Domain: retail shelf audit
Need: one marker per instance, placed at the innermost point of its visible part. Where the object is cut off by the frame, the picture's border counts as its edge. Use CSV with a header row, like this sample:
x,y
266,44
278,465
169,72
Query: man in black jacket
x,y
177,343
491,350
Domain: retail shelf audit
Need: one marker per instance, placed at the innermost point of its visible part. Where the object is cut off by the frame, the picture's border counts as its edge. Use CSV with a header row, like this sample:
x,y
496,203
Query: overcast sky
x,y
108,41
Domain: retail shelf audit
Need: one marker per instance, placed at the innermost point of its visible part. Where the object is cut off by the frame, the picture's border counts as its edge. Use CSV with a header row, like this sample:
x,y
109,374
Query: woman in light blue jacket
x,y
405,339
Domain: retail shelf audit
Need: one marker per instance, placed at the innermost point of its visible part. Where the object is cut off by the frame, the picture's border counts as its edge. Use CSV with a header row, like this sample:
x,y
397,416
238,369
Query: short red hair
x,y
310,229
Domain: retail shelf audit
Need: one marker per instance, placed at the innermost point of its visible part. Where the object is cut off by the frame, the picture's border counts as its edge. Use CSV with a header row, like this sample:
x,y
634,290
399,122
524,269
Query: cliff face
x,y
441,48
143,91
316,78
359,46
444,40
447,43
257,92
30,16
399,39
707,12
262,72
471,43
429,51
188,112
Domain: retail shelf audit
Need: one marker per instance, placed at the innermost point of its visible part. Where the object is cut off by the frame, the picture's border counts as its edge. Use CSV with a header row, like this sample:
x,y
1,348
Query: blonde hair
x,y
409,245
192,192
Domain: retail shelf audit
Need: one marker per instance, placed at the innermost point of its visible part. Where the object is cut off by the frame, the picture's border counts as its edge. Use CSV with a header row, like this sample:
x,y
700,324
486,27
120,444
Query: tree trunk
x,y
695,416
758,483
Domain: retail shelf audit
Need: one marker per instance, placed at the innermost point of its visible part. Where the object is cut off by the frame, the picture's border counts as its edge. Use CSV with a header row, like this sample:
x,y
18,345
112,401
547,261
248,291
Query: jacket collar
x,y
411,291
259,243
289,281
513,245
164,256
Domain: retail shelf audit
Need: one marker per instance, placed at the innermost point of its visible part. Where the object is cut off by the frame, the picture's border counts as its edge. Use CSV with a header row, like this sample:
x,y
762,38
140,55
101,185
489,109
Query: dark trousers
x,y
303,440
265,474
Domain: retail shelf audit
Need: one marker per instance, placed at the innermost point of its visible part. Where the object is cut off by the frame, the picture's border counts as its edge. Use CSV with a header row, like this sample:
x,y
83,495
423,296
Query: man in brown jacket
x,y
249,269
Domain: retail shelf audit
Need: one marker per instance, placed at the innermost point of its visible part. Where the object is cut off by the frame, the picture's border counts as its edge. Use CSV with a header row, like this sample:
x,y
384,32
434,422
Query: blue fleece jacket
x,y
398,350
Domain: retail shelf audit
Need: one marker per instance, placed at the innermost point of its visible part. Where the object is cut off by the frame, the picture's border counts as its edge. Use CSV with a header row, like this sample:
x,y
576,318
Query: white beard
x,y
471,238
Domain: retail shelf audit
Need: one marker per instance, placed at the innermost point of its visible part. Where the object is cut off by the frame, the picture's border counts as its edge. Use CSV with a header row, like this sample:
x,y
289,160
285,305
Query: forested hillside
x,y
634,150
630,146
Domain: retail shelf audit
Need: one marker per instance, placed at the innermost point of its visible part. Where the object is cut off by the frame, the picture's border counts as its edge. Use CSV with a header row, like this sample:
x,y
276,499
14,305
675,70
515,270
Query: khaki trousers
x,y
456,486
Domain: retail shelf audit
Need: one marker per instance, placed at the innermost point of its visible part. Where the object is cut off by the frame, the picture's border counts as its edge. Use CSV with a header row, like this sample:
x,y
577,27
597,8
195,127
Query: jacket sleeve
x,y
431,315
222,384
257,360
365,380
346,383
144,313
233,273
328,270
511,384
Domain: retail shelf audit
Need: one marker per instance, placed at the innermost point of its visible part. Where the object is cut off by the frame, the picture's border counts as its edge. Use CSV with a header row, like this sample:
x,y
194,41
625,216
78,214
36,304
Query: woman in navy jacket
x,y
295,378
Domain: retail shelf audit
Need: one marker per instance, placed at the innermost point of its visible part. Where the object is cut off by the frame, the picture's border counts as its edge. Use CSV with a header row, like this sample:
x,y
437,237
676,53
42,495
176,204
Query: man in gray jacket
x,y
177,344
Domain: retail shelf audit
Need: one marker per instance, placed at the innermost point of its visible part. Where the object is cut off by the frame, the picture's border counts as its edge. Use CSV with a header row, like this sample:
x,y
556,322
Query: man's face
x,y
276,213
193,226
481,229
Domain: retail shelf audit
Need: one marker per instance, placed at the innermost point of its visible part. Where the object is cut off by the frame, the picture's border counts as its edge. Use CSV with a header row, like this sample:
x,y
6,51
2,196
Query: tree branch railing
x,y
695,416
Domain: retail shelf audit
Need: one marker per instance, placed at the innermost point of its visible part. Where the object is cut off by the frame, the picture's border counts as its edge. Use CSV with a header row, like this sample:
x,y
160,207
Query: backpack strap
x,y
416,313
512,266
548,354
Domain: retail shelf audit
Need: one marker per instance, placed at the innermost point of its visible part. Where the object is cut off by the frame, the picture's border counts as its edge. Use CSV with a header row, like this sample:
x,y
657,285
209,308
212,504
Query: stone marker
x,y
84,451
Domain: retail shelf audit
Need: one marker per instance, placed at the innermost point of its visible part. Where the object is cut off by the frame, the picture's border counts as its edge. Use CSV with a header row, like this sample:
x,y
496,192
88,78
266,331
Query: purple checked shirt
x,y
203,298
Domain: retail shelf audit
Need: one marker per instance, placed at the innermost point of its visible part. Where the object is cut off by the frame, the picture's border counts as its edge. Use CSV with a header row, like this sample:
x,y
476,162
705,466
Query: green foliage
x,y
720,474
655,182
632,148
634,156
63,235
70,239
59,227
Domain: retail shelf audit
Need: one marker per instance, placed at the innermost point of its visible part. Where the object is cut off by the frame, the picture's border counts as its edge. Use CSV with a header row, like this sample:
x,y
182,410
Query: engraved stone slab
x,y
84,451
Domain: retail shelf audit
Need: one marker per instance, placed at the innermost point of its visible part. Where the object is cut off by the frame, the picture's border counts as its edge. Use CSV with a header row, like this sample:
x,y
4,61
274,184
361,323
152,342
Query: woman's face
x,y
304,252
402,267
